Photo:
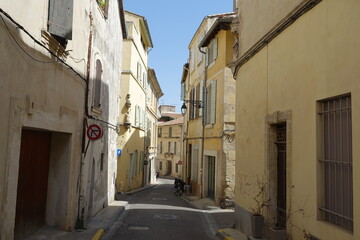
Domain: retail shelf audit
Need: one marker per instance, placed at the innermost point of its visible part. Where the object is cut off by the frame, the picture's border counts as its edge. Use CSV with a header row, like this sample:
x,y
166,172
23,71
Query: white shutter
x,y
213,102
138,71
136,115
215,49
207,57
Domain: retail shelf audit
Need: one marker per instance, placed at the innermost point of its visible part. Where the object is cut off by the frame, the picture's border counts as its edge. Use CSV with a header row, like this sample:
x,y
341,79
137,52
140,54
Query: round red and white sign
x,y
94,132
180,162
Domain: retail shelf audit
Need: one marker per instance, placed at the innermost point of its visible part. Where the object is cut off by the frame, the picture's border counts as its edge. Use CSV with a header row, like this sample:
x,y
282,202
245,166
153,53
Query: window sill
x,y
209,126
96,111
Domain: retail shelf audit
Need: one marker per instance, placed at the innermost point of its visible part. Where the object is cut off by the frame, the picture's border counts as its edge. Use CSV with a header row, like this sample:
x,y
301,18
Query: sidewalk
x,y
220,220
95,230
96,227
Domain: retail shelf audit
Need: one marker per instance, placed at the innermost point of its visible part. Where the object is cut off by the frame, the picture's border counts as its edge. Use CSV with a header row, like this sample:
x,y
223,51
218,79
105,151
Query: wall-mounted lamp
x,y
195,103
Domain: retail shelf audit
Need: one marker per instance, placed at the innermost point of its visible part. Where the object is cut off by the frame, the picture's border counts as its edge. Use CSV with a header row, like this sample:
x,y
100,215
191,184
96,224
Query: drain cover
x,y
138,228
166,217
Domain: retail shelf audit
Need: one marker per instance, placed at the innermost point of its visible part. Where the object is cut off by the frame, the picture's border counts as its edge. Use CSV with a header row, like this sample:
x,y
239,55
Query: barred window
x,y
337,161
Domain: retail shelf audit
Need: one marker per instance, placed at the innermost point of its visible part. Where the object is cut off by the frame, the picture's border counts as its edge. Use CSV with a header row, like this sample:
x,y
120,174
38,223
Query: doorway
x,y
211,177
169,168
281,174
32,182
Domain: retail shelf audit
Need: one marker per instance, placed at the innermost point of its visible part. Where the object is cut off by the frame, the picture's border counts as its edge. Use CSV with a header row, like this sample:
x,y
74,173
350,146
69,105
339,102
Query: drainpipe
x,y
185,149
81,212
203,125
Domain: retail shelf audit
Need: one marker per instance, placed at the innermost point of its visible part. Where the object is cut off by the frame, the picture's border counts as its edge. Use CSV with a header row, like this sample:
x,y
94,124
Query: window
x,y
139,72
170,131
169,147
197,98
102,162
129,29
199,54
182,93
161,150
194,163
97,94
159,132
211,52
160,165
211,103
176,168
60,20
104,6
336,161
174,147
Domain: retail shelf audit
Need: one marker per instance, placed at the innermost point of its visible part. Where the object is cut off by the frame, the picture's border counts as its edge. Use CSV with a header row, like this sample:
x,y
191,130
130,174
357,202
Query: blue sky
x,y
172,25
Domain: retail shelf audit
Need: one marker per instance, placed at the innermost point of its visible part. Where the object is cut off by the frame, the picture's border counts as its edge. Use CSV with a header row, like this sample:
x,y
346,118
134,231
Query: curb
x,y
99,234
223,235
140,189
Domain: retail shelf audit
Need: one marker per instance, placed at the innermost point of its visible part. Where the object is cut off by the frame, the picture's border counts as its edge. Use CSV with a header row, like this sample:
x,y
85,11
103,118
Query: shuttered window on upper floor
x,y
104,6
60,18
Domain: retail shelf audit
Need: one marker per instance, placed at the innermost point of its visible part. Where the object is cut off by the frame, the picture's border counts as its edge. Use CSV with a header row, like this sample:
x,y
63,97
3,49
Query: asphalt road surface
x,y
157,214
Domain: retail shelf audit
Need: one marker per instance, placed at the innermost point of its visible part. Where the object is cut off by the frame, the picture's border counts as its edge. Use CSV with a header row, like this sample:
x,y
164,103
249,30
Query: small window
x,y
159,132
102,162
211,52
161,165
161,146
176,168
170,131
175,148
169,147
104,6
97,85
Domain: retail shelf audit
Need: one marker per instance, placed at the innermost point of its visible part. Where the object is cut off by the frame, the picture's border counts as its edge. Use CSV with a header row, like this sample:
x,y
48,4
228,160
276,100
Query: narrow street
x,y
156,214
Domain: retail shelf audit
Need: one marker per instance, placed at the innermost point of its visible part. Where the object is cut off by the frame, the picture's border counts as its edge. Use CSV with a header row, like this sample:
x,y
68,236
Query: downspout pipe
x,y
203,126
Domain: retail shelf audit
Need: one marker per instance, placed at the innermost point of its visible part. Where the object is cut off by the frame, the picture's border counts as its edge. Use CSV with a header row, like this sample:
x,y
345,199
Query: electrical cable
x,y
40,44
112,126
17,43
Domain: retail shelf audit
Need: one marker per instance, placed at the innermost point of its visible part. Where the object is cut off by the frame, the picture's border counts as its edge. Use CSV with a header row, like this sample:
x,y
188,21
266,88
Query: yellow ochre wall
x,y
315,58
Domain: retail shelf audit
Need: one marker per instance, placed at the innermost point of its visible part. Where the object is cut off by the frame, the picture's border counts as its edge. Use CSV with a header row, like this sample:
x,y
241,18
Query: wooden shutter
x,y
136,115
97,102
213,102
207,57
60,18
215,49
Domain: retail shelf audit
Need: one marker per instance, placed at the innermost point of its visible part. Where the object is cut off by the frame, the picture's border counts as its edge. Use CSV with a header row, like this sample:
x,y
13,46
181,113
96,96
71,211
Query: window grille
x,y
337,161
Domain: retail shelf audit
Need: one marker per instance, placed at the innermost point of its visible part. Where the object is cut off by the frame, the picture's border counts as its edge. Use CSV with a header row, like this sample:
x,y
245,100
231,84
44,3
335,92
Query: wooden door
x,y
211,177
281,175
32,182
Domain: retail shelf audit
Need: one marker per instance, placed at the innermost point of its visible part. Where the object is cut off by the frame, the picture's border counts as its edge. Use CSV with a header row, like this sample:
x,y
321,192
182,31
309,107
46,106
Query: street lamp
x,y
195,103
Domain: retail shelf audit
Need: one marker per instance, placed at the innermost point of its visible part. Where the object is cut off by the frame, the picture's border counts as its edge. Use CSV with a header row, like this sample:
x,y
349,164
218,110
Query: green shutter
x,y
213,103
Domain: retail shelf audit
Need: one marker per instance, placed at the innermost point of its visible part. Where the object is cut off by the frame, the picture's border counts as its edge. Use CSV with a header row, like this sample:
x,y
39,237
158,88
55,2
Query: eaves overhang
x,y
220,24
146,32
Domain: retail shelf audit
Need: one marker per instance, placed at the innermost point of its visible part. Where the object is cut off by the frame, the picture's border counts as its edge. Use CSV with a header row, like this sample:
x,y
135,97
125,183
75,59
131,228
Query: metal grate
x,y
337,161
